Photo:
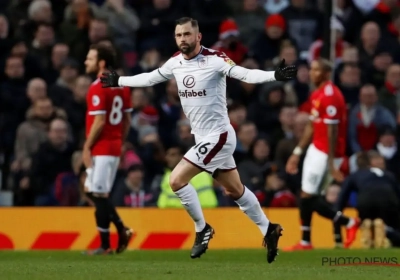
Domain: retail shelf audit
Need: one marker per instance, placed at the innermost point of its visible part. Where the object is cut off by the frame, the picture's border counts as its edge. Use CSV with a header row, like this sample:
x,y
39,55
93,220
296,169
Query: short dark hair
x,y
325,64
184,20
105,53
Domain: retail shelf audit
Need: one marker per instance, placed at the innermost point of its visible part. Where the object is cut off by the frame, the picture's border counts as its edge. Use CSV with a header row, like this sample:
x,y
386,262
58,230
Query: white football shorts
x,y
100,177
315,177
213,152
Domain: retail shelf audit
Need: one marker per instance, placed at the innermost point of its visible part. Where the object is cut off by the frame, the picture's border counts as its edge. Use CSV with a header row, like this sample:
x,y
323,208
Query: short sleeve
x,y
166,69
127,100
223,63
331,107
96,102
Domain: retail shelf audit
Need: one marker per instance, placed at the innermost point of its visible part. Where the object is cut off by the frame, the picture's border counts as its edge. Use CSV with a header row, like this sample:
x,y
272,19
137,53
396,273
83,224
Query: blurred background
x,y
43,45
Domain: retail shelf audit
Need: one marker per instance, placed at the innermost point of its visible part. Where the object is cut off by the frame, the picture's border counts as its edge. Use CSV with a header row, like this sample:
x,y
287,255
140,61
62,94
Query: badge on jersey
x,y
331,111
229,61
202,62
95,100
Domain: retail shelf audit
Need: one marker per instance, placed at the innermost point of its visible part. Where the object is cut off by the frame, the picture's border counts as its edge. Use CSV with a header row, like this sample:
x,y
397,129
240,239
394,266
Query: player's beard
x,y
187,48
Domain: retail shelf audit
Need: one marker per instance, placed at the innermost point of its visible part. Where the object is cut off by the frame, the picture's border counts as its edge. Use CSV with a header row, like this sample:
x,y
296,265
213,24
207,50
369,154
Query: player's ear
x,y
102,64
199,36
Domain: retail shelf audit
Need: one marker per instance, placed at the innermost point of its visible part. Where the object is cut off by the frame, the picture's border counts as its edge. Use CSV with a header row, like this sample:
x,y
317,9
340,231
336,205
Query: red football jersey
x,y
328,107
114,103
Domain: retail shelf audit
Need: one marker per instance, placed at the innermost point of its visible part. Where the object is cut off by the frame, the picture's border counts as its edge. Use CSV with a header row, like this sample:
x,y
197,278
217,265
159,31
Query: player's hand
x,y
109,79
285,73
337,175
87,158
292,164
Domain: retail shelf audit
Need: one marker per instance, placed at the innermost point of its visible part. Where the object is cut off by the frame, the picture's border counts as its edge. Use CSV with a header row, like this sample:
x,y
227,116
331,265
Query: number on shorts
x,y
202,148
116,111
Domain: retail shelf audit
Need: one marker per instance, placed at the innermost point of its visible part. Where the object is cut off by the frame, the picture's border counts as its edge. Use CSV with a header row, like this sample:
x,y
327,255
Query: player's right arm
x,y
162,74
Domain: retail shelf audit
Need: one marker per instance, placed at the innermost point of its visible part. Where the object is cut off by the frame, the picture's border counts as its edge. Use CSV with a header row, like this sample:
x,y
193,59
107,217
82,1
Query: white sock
x,y
190,201
249,204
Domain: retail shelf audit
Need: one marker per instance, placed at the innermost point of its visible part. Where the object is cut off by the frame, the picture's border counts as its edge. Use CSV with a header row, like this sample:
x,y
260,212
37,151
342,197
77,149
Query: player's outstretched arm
x,y
254,76
112,79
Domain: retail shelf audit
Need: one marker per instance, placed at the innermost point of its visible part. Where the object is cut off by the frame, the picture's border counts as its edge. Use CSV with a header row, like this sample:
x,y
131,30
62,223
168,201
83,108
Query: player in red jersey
x,y
327,130
107,124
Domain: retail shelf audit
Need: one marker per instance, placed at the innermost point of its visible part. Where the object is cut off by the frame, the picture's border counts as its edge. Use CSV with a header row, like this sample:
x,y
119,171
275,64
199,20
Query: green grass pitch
x,y
176,265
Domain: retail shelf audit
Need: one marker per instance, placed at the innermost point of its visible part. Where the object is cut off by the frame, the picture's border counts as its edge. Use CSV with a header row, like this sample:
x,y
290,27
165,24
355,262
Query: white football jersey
x,y
201,86
202,89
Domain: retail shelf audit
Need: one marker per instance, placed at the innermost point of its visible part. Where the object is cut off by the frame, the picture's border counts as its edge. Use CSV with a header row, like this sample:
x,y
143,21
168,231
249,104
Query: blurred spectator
x,y
387,147
350,82
303,24
13,105
36,89
123,23
277,194
376,74
157,19
369,44
268,44
61,91
52,158
185,137
242,92
246,134
301,86
42,44
229,42
32,67
389,94
33,132
150,61
210,14
250,21
285,146
203,184
75,107
129,191
366,119
394,35
59,54
39,12
285,131
169,112
79,27
5,40
265,111
316,47
237,115
289,53
252,169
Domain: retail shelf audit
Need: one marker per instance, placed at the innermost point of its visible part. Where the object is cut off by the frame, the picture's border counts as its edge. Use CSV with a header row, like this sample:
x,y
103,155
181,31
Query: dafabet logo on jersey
x,y
190,82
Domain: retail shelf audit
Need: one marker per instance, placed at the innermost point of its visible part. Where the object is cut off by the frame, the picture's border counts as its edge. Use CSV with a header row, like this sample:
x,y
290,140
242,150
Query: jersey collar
x,y
201,49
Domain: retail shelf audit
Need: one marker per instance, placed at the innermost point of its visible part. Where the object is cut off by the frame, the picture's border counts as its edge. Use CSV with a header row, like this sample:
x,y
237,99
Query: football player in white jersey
x,y
201,77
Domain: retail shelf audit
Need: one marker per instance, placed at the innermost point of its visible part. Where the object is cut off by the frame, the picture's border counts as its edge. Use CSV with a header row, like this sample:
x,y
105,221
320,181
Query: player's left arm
x,y
255,76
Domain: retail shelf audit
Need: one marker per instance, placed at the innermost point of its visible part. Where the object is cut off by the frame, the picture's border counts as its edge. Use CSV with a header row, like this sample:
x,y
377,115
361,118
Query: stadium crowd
x,y
43,44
